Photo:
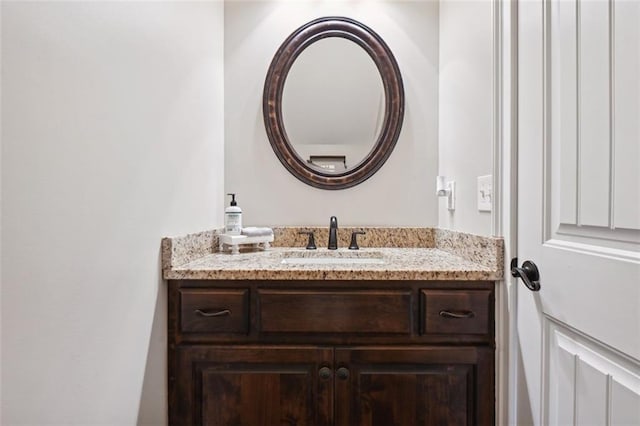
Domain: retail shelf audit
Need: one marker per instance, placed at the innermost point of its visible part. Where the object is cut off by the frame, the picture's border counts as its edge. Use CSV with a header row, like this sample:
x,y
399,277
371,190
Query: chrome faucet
x,y
333,233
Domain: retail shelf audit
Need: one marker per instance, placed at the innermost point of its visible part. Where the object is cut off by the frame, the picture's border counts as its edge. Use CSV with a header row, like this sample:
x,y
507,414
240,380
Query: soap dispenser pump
x,y
233,218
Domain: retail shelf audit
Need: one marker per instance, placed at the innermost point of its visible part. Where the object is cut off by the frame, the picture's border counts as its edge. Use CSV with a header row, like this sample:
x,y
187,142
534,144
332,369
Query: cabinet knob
x,y
324,373
343,373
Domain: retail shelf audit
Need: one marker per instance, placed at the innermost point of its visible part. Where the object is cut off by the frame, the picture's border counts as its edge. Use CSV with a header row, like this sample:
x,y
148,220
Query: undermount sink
x,y
333,258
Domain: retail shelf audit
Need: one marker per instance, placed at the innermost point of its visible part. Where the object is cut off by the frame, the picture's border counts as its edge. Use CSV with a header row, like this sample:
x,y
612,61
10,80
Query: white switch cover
x,y
485,193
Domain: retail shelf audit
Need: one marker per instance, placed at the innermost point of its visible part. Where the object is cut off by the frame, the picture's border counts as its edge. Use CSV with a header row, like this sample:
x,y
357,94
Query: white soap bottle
x,y
233,218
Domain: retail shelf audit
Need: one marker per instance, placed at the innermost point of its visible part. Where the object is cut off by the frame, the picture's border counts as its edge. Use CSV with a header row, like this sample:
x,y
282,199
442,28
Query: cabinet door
x,y
251,386
414,386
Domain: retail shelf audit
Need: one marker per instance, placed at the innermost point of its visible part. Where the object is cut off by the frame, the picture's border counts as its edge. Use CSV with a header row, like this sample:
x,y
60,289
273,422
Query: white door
x,y
579,212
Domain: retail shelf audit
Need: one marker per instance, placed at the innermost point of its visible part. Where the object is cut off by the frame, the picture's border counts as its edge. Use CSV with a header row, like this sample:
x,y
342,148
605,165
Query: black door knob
x,y
528,273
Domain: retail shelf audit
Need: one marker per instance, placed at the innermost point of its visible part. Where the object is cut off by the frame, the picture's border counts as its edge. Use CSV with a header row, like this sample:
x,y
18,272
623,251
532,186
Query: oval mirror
x,y
333,103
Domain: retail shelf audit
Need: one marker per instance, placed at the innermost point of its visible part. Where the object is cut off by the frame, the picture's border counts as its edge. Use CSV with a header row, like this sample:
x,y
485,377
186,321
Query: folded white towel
x,y
254,231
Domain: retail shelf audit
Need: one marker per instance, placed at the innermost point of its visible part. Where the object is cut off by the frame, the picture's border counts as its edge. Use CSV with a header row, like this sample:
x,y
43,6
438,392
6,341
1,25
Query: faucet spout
x,y
333,233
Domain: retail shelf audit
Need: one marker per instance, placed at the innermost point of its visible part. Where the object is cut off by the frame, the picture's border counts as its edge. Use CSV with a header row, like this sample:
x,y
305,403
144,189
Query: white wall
x,y
112,135
402,192
466,109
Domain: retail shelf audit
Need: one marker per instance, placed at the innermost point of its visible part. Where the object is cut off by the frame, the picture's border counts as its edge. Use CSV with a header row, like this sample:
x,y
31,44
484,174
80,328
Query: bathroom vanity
x,y
405,340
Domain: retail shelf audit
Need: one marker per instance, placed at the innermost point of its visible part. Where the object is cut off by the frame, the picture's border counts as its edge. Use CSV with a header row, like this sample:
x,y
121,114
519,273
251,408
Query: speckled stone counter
x,y
407,253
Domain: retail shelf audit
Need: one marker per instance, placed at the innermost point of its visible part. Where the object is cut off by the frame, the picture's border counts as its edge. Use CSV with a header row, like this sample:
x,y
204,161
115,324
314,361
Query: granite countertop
x,y
415,254
400,264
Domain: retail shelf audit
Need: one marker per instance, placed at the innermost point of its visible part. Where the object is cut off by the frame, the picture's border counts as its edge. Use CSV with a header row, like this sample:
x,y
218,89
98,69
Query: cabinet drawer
x,y
214,311
335,311
461,312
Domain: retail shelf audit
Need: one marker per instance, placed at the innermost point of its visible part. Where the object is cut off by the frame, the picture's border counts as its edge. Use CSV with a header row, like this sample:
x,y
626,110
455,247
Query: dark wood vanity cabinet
x,y
251,385
331,353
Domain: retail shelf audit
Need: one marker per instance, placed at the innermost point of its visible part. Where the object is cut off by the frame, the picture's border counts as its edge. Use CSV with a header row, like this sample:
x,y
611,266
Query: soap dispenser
x,y
233,218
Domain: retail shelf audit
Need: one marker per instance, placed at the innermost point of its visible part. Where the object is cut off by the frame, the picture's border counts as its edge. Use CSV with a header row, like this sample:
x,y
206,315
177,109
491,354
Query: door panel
x,y
625,404
254,397
253,386
589,381
593,109
390,396
415,386
572,131
626,116
589,107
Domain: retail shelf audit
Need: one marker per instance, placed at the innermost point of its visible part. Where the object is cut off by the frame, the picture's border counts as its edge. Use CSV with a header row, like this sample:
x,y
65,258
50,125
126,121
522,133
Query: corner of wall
x,y
466,129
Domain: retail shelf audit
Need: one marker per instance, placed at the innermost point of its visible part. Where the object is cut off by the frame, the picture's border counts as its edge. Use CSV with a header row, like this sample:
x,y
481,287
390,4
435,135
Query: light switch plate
x,y
485,193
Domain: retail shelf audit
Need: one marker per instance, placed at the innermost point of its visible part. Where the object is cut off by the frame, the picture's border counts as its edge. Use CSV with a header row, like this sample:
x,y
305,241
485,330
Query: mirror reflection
x,y
333,104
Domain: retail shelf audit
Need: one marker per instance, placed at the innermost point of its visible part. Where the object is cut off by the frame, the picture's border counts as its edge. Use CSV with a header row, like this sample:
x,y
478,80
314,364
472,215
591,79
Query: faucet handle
x,y
311,244
354,240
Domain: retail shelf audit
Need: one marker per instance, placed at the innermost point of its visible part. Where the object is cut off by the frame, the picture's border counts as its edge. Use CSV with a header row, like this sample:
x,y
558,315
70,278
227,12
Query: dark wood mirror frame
x,y
284,58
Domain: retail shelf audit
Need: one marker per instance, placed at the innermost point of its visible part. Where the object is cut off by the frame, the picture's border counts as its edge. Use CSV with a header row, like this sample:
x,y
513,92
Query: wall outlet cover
x,y
485,193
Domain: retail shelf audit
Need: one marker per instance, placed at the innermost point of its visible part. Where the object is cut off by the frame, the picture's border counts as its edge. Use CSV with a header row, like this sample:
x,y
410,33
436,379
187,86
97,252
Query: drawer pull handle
x,y
457,314
222,313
